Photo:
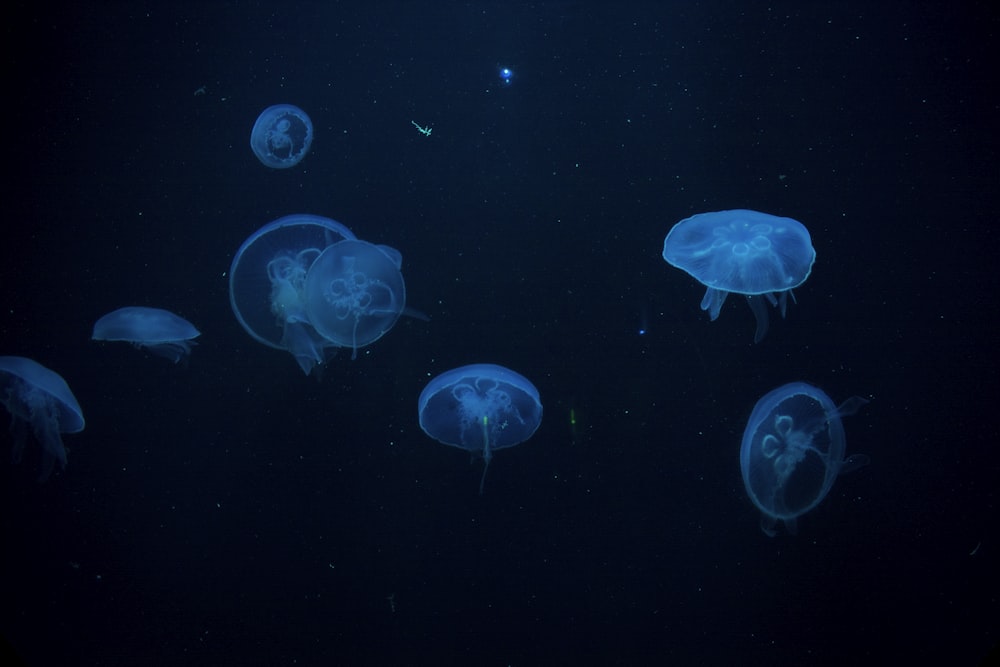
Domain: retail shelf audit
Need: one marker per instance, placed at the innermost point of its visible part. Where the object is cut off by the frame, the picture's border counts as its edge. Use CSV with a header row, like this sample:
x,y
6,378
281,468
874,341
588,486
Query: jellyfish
x,y
40,398
755,254
793,450
282,135
354,292
480,408
161,332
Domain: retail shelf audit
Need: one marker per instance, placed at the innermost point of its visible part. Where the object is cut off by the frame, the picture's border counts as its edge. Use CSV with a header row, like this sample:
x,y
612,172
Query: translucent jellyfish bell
x,y
282,135
354,292
793,450
160,331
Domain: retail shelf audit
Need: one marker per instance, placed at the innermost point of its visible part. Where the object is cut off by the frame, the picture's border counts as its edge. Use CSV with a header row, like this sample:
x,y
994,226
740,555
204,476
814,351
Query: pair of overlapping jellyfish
x,y
307,285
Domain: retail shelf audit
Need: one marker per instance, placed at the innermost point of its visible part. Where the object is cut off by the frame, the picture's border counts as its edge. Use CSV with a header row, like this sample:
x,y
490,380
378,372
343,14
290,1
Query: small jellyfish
x,y
282,135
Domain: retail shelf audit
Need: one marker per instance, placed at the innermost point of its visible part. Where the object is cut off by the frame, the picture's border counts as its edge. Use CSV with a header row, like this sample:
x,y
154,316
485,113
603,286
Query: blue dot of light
x,y
506,75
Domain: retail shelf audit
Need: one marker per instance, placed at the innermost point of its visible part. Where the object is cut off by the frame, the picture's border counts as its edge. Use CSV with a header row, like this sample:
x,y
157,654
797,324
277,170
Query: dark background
x,y
235,511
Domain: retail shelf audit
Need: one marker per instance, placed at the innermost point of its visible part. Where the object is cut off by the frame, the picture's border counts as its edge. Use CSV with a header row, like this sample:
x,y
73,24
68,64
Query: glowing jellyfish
x,y
480,408
744,252
38,398
282,135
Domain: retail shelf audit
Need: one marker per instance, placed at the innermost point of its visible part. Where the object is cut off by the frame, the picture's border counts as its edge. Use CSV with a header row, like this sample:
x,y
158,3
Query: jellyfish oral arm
x,y
760,314
487,452
299,340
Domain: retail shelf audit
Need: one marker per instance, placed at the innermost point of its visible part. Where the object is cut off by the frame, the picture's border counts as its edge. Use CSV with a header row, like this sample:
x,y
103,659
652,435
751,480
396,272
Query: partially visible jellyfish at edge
x,y
758,255
39,398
